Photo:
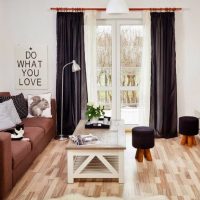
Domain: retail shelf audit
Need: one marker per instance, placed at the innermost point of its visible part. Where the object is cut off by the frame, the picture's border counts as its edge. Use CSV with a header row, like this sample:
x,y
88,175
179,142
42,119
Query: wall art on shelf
x,y
31,67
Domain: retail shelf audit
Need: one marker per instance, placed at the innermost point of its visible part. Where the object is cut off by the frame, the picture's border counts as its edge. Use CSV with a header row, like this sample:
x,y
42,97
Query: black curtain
x,y
70,46
163,106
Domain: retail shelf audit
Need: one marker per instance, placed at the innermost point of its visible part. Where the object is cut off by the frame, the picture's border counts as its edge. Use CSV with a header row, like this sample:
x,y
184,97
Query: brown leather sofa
x,y
17,156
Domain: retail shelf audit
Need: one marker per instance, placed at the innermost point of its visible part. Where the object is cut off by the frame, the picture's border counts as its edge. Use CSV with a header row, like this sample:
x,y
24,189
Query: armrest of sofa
x,y
5,164
3,94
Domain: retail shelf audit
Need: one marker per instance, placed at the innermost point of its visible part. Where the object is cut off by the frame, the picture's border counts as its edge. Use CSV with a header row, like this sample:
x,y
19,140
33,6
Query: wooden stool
x,y
143,140
188,128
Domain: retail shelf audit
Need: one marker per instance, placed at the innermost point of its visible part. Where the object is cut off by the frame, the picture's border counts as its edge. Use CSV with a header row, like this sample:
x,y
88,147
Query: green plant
x,y
94,111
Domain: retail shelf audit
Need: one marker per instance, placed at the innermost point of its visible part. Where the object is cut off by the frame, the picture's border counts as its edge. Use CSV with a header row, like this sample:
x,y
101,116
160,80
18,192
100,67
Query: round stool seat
x,y
143,137
188,125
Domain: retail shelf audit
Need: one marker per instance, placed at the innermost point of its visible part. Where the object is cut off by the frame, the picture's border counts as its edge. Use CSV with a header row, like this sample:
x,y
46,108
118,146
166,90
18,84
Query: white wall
x,y
2,82
188,58
32,22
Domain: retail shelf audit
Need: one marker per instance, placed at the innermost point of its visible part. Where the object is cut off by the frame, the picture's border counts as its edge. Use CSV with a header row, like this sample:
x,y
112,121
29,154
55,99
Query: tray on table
x,y
101,124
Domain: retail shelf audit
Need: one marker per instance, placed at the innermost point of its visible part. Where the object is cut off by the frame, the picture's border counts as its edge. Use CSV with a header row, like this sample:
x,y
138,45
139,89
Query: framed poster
x,y
31,67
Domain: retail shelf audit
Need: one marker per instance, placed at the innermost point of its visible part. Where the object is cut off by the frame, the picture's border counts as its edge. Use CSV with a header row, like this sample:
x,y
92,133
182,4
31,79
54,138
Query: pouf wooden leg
x,y
139,155
184,139
194,141
190,141
147,154
136,154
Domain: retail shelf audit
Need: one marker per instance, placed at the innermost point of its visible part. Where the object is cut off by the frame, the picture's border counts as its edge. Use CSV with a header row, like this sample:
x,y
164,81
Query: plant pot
x,y
94,120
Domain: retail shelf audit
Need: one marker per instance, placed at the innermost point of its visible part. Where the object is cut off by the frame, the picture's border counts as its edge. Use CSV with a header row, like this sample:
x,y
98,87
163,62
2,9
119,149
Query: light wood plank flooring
x,y
174,171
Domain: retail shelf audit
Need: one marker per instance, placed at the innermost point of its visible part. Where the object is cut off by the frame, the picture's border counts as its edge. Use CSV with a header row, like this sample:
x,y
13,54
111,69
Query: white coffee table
x,y
102,160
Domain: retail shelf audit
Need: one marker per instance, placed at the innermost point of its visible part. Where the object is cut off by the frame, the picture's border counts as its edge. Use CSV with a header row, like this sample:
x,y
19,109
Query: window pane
x,y
105,98
104,77
104,46
130,77
129,98
131,46
104,67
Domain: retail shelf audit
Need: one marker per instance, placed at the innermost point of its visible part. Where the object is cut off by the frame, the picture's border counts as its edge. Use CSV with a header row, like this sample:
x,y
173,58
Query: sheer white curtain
x,y
145,82
90,54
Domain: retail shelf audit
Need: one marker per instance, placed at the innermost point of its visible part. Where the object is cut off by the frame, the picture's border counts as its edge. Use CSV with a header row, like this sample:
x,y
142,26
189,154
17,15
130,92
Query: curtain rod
x,y
104,9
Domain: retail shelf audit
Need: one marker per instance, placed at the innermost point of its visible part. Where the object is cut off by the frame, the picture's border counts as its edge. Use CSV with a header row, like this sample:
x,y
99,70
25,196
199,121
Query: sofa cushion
x,y
19,102
39,105
45,123
35,134
5,120
11,110
20,150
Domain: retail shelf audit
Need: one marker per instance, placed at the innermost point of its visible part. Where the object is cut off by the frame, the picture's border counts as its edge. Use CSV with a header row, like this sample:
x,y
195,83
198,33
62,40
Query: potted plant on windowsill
x,y
94,112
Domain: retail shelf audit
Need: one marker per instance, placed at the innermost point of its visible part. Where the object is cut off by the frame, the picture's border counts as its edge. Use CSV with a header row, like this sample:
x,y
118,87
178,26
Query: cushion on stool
x,y
188,125
143,137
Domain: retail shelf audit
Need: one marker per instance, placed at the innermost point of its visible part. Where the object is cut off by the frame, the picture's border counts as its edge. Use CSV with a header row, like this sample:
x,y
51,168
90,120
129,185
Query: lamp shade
x,y
117,7
75,66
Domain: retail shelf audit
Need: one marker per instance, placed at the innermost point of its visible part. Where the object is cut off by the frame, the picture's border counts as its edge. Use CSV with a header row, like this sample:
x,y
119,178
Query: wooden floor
x,y
174,172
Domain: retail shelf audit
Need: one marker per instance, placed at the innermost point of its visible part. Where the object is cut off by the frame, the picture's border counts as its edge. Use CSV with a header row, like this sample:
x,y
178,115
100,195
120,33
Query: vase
x,y
94,120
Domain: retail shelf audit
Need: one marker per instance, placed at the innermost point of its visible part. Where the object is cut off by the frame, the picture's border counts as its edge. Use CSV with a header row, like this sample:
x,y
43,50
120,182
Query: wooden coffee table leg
x,y
147,154
183,139
140,155
70,167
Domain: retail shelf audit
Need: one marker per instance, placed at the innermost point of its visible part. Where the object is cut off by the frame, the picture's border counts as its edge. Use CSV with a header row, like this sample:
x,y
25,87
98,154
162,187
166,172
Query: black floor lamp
x,y
75,68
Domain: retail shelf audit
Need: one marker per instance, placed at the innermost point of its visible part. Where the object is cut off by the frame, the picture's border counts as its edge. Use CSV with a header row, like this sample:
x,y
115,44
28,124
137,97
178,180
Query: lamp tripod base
x,y
61,137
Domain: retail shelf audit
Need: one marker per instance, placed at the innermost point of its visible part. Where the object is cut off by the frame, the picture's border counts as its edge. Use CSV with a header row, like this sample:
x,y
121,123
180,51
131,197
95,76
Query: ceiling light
x,y
117,7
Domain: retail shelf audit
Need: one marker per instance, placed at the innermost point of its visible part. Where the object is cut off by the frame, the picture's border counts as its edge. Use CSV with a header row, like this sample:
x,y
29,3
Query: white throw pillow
x,y
39,105
5,120
11,111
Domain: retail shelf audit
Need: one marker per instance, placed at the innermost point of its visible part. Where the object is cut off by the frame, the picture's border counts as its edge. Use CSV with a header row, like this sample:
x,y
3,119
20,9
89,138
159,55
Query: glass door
x,y
119,58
